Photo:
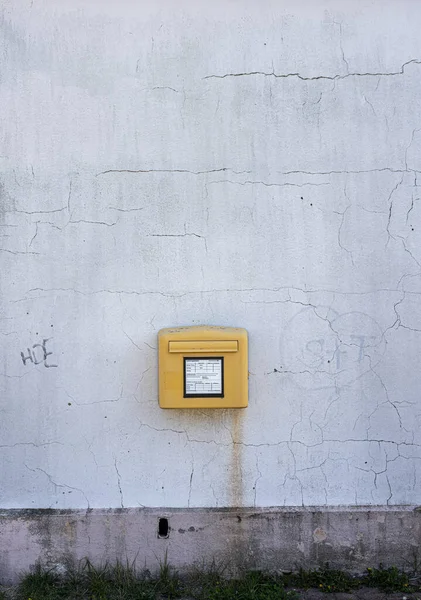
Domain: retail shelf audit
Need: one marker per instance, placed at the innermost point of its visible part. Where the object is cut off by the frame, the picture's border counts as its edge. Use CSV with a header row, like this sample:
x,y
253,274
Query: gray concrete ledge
x,y
278,539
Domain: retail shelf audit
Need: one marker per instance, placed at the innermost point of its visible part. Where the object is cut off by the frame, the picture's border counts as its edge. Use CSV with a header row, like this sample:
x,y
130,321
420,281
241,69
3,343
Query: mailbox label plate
x,y
204,377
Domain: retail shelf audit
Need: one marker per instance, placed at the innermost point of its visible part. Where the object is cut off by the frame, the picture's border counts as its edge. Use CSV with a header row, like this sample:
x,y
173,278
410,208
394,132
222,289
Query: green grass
x,y
87,582
325,579
253,586
124,582
389,580
328,580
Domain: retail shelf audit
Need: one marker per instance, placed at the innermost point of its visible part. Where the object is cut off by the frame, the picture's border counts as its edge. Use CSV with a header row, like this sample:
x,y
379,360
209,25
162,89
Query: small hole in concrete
x,y
163,528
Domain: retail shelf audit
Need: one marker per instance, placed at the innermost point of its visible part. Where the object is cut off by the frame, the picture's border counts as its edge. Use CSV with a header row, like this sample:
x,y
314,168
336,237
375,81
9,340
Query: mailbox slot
x,y
203,346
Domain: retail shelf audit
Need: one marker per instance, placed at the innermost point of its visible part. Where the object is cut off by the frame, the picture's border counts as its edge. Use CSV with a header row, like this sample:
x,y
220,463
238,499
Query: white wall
x,y
230,163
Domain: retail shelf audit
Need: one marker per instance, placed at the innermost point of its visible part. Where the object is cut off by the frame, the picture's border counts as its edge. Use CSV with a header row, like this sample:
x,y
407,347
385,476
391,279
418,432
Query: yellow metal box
x,y
203,367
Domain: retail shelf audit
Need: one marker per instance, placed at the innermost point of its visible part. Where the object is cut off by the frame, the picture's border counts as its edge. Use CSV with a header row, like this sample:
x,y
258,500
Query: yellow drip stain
x,y
236,469
70,530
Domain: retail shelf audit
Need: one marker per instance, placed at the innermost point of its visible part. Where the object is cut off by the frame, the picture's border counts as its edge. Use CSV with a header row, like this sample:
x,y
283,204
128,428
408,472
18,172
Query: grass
x,y
325,579
328,580
87,582
124,582
253,586
389,580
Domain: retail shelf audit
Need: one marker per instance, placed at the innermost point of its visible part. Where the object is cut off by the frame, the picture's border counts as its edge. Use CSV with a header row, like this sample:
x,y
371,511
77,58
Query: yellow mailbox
x,y
203,367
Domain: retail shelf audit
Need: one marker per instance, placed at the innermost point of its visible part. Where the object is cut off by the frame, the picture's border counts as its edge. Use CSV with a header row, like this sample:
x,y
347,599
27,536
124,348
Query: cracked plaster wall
x,y
229,164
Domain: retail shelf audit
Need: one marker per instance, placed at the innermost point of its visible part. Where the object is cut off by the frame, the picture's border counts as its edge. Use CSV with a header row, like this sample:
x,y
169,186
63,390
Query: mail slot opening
x,y
203,346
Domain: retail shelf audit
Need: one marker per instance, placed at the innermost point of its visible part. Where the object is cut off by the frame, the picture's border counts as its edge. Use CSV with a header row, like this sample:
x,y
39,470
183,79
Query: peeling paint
x,y
319,535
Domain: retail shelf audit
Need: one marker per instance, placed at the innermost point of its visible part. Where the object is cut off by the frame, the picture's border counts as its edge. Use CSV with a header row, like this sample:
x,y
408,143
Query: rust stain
x,y
236,469
234,419
70,530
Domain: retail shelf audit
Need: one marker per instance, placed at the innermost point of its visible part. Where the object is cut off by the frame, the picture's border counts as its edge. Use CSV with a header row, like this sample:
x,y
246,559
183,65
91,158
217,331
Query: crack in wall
x,y
185,171
92,222
110,401
390,203
119,483
190,486
337,77
126,210
59,485
322,442
341,47
266,184
340,244
179,294
18,252
33,444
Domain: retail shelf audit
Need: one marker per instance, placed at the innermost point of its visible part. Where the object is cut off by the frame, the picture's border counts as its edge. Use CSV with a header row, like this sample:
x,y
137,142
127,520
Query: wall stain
x,y
235,483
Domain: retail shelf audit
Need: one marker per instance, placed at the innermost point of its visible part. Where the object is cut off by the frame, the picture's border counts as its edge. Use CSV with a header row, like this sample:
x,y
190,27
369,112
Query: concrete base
x,y
277,539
